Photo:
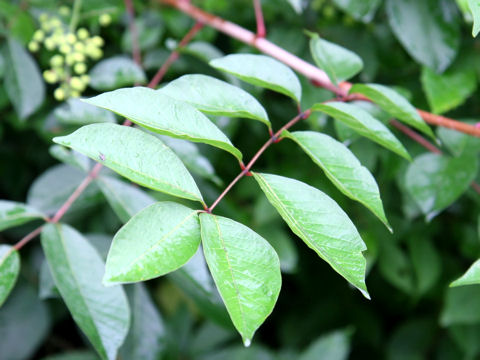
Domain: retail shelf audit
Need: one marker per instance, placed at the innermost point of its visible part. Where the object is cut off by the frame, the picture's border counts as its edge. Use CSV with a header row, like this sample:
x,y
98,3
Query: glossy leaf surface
x,y
138,156
436,181
159,239
343,169
215,97
320,223
339,63
116,72
262,71
471,276
427,29
14,214
101,312
364,124
246,271
393,103
9,269
164,115
363,10
474,6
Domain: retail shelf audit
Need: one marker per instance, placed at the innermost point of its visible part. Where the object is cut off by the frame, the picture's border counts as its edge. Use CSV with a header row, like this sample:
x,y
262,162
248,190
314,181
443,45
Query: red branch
x,y
316,75
137,57
261,31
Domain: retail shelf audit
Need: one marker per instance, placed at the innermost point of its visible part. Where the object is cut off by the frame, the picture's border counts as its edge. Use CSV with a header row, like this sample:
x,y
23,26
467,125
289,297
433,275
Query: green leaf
x,y
448,90
23,81
246,271
23,317
77,112
361,10
364,124
342,168
73,355
138,156
471,276
393,103
339,63
263,71
164,115
144,249
474,6
126,200
116,72
427,29
459,143
202,50
146,338
320,223
461,306
436,181
14,214
102,313
9,269
215,97
149,30
332,346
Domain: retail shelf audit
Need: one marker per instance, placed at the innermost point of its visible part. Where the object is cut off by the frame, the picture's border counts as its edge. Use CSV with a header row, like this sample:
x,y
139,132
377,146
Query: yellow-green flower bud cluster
x,y
71,53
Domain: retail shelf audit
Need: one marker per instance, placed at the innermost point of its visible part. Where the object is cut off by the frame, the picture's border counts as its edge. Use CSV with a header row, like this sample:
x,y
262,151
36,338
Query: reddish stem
x,y
174,55
27,238
261,31
137,57
416,136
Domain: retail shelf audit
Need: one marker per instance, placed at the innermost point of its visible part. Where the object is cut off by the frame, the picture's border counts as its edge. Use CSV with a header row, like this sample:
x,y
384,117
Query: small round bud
x,y
82,33
76,83
80,68
69,59
64,10
85,79
71,38
96,53
49,43
43,17
78,57
105,19
38,35
55,23
79,47
97,41
59,94
65,49
75,94
56,60
50,76
33,46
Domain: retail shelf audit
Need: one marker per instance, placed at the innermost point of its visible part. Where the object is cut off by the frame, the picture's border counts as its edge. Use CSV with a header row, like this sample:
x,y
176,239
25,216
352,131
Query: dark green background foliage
x,y
423,49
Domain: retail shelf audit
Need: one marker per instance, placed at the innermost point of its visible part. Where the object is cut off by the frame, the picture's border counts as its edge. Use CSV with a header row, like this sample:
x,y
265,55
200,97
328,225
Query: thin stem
x,y
313,73
136,54
28,237
247,168
77,5
416,136
261,31
174,55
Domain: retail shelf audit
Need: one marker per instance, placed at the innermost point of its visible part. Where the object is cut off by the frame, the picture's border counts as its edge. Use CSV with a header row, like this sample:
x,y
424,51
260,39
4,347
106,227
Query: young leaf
x,y
116,72
436,181
448,90
321,223
9,269
262,71
471,276
427,29
215,97
393,103
77,112
246,271
474,6
23,81
342,168
159,239
361,10
138,156
164,115
14,214
126,200
339,63
102,313
364,124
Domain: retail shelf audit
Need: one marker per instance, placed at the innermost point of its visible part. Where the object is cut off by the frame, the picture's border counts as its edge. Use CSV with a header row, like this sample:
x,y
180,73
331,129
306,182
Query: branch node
x,y
245,171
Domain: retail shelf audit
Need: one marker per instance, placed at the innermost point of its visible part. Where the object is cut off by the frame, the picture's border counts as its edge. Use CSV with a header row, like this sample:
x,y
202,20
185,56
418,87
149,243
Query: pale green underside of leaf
x,y
364,124
165,115
393,103
77,112
116,72
471,276
102,313
14,214
9,269
343,168
159,239
138,156
125,199
215,97
320,223
262,71
339,63
474,6
436,181
245,269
